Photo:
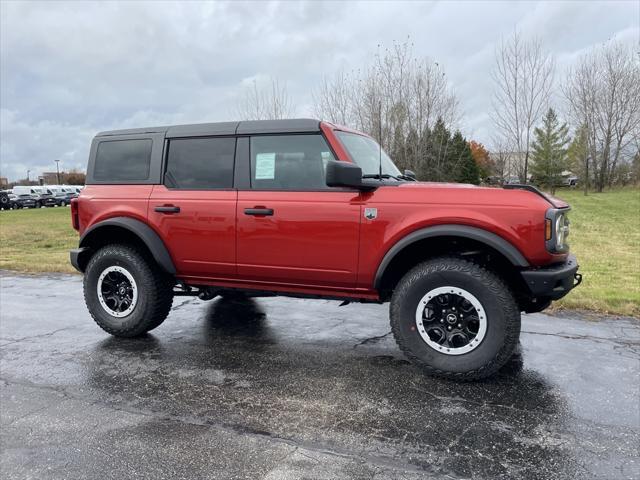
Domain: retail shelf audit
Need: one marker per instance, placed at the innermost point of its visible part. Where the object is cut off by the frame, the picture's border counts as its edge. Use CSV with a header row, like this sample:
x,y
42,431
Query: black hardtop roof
x,y
293,125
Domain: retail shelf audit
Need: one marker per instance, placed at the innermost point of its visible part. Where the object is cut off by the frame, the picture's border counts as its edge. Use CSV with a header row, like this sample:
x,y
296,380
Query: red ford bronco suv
x,y
309,209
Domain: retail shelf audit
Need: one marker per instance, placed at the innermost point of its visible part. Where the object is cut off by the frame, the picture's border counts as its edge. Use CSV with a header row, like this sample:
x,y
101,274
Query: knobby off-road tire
x,y
495,304
151,288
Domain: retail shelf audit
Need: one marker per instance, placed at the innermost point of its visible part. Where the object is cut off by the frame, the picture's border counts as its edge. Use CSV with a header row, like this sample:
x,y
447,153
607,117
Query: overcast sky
x,y
72,69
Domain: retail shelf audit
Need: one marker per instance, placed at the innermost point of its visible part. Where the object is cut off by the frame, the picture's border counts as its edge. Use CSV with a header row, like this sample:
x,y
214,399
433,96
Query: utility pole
x,y
58,171
28,171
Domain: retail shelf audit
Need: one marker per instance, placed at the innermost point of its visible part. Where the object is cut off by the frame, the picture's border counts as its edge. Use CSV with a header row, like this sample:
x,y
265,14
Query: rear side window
x,y
200,163
123,160
289,162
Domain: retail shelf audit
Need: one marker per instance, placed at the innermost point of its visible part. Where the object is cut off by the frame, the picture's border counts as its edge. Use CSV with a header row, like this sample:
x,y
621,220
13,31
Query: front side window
x,y
289,162
123,160
200,163
366,153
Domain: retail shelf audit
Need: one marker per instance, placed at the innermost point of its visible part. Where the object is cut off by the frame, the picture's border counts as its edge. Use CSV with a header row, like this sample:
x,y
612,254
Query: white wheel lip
x,y
482,317
134,286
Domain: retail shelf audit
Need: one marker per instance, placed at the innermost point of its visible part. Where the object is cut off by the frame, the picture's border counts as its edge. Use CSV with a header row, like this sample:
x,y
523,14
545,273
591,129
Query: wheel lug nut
x,y
449,328
459,325
441,320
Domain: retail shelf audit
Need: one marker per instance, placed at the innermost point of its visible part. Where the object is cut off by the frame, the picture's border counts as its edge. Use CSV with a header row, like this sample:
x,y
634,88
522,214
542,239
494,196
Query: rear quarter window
x,y
123,160
200,163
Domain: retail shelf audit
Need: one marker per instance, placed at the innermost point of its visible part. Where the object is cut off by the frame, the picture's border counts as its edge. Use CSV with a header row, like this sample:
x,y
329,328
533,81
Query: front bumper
x,y
555,281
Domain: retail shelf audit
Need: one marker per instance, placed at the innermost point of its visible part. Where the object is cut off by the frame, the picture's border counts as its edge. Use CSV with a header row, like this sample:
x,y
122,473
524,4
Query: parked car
x,y
306,208
44,198
60,194
570,181
25,200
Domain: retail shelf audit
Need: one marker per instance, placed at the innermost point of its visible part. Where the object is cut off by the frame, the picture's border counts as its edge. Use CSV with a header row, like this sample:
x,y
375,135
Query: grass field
x,y
37,240
605,235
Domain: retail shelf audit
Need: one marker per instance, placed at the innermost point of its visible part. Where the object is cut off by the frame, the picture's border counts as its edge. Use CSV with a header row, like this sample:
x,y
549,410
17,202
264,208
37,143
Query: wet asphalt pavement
x,y
279,388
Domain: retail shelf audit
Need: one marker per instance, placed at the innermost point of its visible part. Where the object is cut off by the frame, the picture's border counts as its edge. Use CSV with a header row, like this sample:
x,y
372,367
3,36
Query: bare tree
x,y
603,92
396,99
523,76
268,101
333,99
502,158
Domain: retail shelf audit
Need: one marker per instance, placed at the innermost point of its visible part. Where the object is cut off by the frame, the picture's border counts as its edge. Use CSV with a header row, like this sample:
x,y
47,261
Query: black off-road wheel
x,y
125,292
455,319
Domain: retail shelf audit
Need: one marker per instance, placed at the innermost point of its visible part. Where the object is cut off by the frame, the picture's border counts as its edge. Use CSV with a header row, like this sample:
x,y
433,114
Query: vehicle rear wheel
x,y
38,205
126,293
455,319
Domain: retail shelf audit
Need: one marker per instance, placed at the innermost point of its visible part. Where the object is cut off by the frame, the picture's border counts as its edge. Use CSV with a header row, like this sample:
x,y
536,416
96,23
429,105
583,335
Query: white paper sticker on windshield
x,y
265,166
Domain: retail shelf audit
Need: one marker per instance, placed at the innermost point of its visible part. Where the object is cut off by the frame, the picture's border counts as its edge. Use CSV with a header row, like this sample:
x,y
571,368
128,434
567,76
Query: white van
x,y
27,189
73,188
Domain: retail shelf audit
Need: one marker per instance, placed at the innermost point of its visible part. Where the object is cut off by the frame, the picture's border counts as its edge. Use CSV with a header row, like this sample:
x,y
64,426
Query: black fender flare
x,y
145,233
492,240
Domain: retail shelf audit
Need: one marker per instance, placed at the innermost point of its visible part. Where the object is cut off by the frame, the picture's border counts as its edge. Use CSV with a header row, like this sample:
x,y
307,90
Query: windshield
x,y
366,153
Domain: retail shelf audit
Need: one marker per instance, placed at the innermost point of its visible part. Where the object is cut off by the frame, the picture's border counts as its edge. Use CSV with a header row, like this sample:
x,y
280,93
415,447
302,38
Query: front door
x,y
292,229
195,210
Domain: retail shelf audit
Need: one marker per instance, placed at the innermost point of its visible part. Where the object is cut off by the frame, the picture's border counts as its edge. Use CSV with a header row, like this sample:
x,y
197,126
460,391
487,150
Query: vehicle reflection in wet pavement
x,y
289,388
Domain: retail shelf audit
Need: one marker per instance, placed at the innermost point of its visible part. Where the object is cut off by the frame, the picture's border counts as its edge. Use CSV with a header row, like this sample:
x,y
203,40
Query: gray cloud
x,y
69,70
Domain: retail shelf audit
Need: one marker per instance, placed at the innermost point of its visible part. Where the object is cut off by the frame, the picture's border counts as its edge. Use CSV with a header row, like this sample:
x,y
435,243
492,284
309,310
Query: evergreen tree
x,y
549,151
422,156
462,168
437,153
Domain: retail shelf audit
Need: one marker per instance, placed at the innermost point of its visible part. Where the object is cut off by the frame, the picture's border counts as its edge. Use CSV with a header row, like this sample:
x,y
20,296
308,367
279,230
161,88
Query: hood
x,y
498,194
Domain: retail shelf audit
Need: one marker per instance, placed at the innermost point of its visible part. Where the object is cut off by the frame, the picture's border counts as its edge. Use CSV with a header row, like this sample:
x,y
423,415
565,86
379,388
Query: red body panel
x,y
201,238
316,242
99,202
515,215
311,239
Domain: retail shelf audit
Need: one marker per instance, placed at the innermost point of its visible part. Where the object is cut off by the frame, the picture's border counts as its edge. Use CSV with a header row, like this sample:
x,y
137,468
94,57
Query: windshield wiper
x,y
408,179
383,176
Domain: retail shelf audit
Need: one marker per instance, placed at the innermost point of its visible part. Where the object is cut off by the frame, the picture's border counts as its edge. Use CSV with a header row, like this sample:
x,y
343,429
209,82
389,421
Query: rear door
x,y
195,210
292,228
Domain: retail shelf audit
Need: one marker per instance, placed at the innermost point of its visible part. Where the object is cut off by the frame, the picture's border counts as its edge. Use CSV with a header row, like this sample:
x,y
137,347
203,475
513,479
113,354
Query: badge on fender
x,y
370,213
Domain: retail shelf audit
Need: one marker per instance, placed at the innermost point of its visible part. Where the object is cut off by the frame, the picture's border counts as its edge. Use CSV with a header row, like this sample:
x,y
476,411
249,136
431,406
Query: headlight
x,y
557,230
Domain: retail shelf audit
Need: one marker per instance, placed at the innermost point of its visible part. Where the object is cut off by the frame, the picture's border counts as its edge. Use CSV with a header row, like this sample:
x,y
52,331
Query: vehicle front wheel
x,y
126,294
455,319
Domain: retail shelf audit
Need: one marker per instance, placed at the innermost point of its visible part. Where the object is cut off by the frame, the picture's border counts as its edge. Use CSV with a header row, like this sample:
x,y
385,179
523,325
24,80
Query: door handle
x,y
258,211
167,209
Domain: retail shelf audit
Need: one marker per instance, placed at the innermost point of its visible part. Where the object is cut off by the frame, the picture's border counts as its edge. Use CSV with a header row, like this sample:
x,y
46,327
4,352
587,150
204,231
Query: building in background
x,y
49,178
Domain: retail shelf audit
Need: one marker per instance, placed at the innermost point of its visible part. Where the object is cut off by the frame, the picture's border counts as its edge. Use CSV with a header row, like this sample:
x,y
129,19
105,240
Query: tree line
x,y
408,105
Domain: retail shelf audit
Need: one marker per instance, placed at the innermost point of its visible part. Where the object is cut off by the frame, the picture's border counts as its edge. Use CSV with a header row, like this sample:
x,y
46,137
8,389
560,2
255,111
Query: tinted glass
x,y
123,160
200,163
289,162
367,154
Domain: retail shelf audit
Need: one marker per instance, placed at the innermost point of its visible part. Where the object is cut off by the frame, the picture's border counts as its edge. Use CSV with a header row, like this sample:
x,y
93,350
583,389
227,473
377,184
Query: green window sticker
x,y
265,166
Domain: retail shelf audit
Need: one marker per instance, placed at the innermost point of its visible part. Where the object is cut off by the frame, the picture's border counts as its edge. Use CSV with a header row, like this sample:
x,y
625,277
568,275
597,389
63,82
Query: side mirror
x,y
345,174
410,173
